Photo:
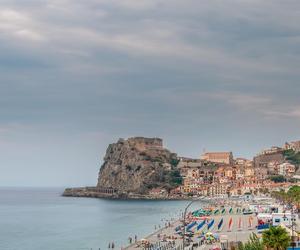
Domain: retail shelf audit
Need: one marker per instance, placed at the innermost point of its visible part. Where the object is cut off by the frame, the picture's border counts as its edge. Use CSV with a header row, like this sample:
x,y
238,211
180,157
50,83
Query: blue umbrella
x,y
191,225
201,225
211,223
220,224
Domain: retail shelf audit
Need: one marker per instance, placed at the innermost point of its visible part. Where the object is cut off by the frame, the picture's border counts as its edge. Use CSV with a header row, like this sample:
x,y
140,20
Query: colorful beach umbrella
x,y
230,224
210,224
191,225
220,224
200,225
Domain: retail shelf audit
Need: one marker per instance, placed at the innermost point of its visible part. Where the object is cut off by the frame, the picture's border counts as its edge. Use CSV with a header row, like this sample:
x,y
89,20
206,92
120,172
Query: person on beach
x,y
135,238
112,245
109,245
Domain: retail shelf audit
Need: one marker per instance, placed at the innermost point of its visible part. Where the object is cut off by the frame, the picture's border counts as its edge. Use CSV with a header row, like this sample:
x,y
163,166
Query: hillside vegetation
x,y
292,156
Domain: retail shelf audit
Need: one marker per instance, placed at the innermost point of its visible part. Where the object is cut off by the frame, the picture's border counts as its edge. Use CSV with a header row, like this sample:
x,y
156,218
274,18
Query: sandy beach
x,y
239,230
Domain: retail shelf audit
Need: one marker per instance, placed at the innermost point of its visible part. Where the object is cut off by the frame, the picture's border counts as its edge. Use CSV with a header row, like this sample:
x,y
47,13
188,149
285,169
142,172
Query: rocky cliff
x,y
137,165
131,168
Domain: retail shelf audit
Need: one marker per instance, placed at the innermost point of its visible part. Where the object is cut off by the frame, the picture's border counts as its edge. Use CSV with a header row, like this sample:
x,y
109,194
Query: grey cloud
x,y
188,71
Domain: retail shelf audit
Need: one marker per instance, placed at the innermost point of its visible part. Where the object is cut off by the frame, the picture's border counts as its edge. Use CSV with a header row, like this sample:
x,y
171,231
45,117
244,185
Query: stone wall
x,y
142,143
264,159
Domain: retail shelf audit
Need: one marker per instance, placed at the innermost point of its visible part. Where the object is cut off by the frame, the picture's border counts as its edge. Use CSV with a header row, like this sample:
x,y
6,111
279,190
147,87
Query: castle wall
x,y
143,144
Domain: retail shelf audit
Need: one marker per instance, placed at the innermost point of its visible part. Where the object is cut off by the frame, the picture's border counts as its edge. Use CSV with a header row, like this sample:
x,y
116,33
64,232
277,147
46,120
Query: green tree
x,y
276,238
292,156
252,244
294,195
277,178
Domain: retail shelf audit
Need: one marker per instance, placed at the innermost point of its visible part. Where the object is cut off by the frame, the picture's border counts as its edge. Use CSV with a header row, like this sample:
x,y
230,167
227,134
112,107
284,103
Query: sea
x,y
41,219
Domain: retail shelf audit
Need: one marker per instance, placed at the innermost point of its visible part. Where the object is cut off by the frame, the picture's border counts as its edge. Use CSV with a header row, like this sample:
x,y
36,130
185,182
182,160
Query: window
x,y
277,220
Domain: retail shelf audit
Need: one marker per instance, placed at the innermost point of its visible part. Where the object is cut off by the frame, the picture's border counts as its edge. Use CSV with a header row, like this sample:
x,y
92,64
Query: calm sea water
x,y
41,219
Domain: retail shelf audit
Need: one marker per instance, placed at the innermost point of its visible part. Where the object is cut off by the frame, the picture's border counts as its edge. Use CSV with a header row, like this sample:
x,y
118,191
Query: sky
x,y
76,75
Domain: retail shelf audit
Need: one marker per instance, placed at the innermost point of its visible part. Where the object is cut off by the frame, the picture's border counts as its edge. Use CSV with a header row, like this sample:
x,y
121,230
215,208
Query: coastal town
x,y
141,168
219,174
237,201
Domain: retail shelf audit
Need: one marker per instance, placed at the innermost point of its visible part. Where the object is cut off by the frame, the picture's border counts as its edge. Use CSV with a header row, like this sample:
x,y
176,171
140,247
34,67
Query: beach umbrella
x,y
220,224
201,225
190,226
210,224
230,224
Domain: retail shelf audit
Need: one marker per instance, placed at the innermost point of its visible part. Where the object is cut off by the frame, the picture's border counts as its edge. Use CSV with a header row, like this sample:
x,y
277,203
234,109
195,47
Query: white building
x,y
283,219
286,169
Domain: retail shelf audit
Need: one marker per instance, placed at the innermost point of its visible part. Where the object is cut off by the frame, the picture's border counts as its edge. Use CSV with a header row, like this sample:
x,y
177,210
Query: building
x,y
189,163
295,145
261,173
230,172
241,161
286,169
208,174
273,167
189,167
271,150
262,160
218,157
248,172
158,192
218,190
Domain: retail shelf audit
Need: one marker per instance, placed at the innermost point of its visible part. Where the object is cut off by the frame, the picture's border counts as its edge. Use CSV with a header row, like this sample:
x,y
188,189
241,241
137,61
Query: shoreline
x,y
231,236
159,231
92,192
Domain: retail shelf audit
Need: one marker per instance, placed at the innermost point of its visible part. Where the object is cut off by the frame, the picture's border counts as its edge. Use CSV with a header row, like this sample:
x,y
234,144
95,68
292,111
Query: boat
x,y
247,211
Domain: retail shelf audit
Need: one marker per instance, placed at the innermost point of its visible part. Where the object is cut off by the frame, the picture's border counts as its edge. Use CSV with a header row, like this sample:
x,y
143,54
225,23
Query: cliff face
x,y
137,165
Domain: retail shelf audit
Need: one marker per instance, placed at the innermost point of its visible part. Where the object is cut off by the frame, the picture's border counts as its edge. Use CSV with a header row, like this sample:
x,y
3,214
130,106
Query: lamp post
x,y
184,217
293,229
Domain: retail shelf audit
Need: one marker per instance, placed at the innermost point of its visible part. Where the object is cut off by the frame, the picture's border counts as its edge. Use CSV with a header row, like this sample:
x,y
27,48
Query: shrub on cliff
x,y
292,156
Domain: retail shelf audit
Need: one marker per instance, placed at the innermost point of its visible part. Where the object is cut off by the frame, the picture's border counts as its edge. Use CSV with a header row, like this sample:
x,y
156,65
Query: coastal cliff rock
x,y
137,165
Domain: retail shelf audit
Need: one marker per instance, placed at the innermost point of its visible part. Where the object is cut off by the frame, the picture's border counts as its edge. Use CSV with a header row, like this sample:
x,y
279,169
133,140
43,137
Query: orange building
x,y
218,157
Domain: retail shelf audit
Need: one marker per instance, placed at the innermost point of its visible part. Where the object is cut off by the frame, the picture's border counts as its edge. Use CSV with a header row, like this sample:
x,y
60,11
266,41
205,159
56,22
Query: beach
x,y
236,227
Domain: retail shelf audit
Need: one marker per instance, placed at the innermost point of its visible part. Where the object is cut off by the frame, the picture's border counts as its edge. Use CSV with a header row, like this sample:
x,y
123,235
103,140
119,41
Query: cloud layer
x,y
76,75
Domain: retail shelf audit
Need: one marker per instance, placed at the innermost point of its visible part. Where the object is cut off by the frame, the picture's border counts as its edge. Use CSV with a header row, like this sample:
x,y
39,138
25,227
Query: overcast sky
x,y
75,75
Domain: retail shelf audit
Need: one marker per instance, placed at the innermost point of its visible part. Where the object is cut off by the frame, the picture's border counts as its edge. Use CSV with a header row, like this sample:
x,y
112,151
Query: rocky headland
x,y
131,169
